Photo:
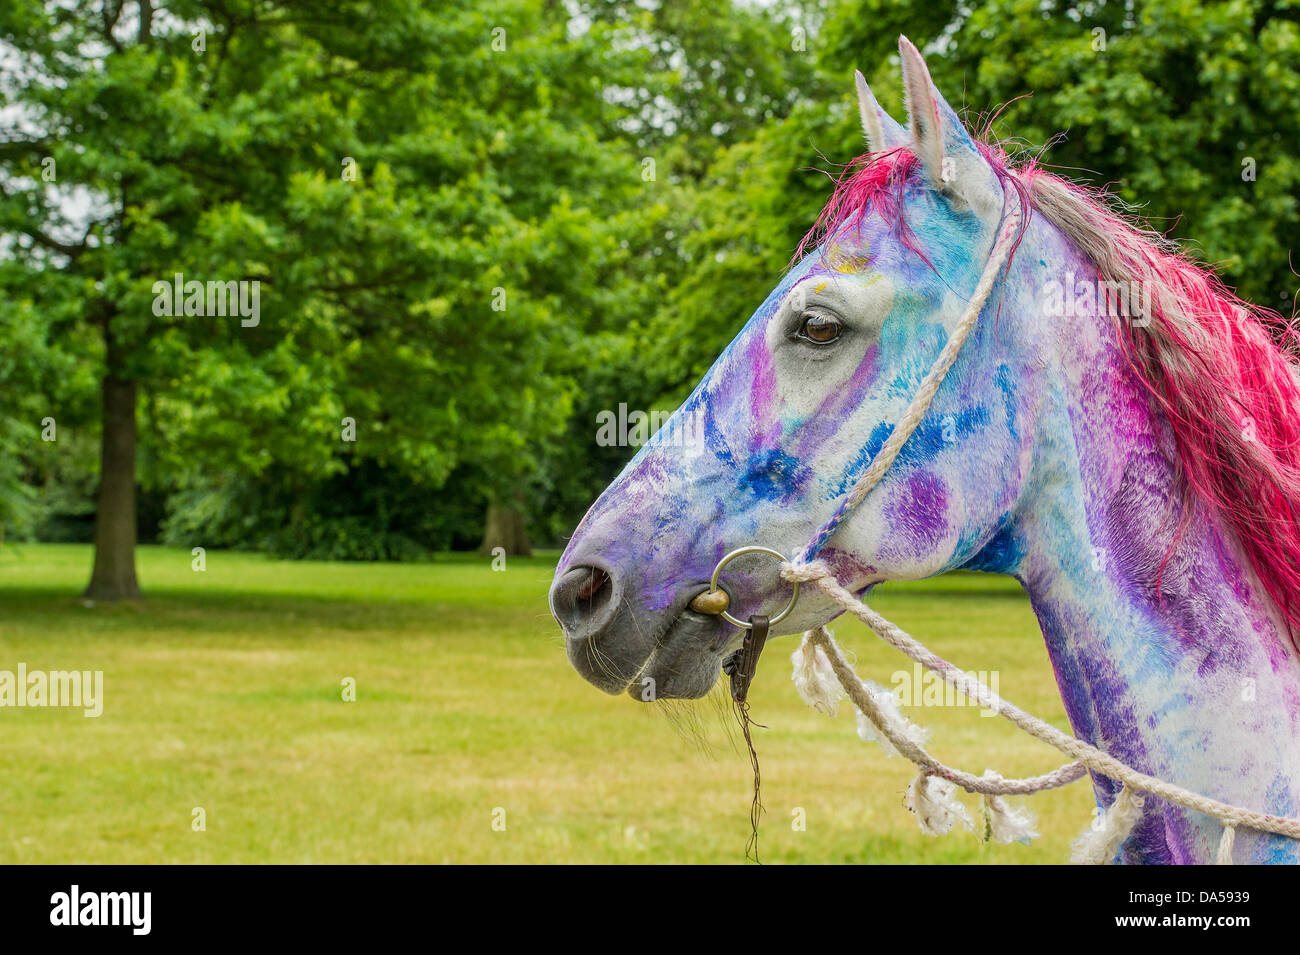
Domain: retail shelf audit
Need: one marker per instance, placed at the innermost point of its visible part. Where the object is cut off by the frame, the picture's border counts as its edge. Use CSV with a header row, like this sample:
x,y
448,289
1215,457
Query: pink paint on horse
x,y
1220,368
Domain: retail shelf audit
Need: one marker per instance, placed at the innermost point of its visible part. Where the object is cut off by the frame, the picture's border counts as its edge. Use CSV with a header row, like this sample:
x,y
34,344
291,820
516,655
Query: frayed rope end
x,y
1100,842
1004,823
813,676
935,803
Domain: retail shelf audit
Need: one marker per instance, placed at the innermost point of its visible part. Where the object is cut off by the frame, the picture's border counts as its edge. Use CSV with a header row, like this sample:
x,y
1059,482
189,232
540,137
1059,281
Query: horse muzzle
x,y
619,647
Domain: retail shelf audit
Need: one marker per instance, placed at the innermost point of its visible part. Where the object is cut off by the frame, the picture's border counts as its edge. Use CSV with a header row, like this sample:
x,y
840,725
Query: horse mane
x,y
1222,371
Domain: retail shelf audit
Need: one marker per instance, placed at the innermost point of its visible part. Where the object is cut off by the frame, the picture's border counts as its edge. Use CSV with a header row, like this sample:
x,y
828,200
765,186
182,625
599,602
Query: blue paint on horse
x,y
1041,456
772,475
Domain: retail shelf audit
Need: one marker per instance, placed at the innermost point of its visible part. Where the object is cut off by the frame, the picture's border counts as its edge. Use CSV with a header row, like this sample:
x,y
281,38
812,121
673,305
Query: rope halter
x,y
822,674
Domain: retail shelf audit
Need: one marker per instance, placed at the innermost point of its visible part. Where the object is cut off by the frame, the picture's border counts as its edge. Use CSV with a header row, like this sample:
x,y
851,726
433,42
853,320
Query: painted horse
x,y
1120,434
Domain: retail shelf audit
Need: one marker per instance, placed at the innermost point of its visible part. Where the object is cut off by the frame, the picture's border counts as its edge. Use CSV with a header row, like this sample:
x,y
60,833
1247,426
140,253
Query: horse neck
x,y
1194,680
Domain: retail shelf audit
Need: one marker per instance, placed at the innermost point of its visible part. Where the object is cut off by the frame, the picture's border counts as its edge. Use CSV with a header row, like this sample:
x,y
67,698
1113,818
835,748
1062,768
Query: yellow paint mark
x,y
822,286
848,263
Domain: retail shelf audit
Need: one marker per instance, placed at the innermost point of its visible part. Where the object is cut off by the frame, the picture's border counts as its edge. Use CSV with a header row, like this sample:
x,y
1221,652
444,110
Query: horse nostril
x,y
583,600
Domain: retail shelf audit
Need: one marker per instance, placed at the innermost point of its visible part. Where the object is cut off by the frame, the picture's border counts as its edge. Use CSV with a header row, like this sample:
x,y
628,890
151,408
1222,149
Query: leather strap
x,y
741,666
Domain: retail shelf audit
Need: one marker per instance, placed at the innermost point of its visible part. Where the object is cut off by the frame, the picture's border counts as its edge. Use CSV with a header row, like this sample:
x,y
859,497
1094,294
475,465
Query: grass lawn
x,y
223,690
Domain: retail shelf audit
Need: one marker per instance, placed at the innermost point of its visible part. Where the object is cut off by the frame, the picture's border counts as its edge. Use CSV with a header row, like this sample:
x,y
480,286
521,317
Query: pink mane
x,y
1219,369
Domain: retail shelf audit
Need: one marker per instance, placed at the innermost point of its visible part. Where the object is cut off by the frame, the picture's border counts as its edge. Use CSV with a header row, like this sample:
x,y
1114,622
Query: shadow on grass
x,y
458,595
211,611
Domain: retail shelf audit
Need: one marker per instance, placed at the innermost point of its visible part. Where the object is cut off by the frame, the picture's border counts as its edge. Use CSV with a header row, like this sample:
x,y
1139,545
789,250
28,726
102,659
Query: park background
x,y
477,228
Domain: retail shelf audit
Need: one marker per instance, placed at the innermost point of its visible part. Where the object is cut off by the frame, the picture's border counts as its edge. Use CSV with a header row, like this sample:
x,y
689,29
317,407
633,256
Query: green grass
x,y
223,690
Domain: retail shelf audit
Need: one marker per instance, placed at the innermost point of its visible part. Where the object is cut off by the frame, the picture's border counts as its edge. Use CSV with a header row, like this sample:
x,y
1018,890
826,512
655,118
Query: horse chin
x,y
685,662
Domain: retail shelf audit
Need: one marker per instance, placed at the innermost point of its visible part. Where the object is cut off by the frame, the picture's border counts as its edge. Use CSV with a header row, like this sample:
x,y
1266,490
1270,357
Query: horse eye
x,y
819,329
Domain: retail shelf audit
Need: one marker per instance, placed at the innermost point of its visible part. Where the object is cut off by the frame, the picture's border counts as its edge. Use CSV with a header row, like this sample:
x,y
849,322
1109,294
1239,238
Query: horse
x,y
1135,465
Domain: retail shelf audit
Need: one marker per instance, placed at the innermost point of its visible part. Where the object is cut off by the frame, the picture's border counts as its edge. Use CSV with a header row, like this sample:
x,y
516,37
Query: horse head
x,y
796,408
1118,431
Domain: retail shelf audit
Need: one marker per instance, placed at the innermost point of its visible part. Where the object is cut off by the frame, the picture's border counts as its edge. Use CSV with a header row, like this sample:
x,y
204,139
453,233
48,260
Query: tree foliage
x,y
557,209
422,299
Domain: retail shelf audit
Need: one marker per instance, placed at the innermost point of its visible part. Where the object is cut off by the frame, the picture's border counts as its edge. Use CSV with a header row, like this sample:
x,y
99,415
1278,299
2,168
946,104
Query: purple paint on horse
x,y
1137,471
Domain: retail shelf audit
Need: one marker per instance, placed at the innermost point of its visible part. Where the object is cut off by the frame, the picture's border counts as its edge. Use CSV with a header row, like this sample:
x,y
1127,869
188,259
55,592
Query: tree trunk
x,y
506,529
114,575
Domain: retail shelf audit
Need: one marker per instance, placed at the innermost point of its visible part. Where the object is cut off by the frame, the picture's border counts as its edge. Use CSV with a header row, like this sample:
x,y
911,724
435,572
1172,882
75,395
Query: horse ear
x,y
881,129
952,162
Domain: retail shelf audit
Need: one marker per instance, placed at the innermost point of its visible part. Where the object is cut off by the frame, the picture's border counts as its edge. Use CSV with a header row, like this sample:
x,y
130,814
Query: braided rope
x,y
935,817
984,785
1224,855
805,568
1084,753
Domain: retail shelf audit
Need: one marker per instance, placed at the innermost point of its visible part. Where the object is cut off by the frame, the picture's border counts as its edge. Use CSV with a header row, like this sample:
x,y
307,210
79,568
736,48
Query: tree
x,y
398,224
